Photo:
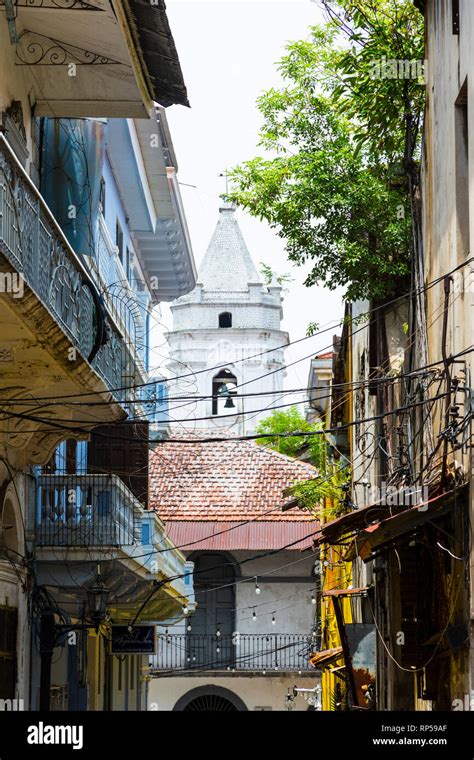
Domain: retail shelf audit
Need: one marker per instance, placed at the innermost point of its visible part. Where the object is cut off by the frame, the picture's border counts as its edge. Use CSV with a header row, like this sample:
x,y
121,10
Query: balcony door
x,y
209,643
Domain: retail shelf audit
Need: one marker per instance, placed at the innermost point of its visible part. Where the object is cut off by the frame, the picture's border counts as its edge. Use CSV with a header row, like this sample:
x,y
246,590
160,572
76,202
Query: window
x,y
119,239
455,6
8,626
462,174
223,388
126,263
71,456
120,682
225,319
102,194
146,533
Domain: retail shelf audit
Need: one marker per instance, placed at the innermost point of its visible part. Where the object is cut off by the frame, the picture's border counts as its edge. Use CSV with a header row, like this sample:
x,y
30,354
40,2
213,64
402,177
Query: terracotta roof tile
x,y
228,481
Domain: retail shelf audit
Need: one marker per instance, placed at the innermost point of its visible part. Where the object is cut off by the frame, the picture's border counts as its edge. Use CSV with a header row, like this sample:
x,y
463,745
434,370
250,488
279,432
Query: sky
x,y
228,51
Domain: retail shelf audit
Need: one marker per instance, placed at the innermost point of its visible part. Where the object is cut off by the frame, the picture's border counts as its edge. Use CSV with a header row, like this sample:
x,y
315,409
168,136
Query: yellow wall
x,y
335,574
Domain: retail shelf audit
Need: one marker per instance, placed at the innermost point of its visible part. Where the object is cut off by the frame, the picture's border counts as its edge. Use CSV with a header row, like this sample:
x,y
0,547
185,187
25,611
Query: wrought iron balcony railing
x,y
258,652
36,247
86,510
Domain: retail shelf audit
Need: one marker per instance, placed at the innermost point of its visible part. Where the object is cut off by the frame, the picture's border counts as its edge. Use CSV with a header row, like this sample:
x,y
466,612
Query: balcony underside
x,y
128,580
37,362
91,58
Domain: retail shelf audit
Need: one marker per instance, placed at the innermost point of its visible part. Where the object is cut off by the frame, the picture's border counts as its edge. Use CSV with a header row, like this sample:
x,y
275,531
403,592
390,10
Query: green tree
x,y
290,420
341,144
315,449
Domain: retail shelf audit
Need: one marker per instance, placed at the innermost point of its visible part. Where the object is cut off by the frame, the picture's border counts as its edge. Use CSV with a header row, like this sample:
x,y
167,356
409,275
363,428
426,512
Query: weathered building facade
x,y
85,255
407,414
255,578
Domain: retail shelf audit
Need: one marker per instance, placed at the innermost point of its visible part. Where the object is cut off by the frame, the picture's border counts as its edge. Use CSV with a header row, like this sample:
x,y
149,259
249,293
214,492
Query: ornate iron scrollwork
x,y
35,49
62,5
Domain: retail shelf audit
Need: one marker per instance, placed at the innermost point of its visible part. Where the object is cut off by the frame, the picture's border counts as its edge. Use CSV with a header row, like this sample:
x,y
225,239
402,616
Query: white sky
x,y
228,50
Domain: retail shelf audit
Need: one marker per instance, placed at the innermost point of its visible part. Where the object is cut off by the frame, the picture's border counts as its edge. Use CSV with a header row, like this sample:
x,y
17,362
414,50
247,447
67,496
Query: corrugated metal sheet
x,y
232,536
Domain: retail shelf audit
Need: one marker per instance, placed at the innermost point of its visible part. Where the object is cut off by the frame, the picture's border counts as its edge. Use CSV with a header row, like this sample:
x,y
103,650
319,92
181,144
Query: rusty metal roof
x,y
233,536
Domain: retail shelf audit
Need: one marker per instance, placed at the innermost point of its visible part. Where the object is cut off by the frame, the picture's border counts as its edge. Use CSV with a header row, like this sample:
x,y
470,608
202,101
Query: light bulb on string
x,y
313,599
218,633
257,587
185,610
189,627
254,615
273,620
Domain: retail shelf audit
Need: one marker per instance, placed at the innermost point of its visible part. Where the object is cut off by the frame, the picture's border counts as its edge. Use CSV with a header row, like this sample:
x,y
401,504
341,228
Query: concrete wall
x,y
289,602
198,350
256,692
448,195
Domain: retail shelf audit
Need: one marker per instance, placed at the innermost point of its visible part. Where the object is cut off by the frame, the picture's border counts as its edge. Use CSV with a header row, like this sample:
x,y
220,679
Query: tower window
x,y
223,388
225,319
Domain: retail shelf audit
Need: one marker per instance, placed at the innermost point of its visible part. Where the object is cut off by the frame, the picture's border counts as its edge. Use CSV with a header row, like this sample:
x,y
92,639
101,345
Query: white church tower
x,y
226,341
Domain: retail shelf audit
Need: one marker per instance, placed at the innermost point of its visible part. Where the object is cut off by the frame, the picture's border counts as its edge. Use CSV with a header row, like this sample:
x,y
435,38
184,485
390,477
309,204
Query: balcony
x,y
35,247
239,652
86,511
85,58
85,519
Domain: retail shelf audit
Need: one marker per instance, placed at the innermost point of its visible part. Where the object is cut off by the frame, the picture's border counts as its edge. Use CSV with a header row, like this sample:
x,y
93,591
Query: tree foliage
x,y
338,141
290,420
327,484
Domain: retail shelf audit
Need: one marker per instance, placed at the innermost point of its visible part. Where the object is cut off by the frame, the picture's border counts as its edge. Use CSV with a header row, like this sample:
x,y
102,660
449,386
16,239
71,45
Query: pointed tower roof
x,y
227,264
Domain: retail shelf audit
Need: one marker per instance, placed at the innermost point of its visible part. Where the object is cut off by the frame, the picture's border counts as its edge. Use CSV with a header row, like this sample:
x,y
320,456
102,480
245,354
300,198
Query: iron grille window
x,y
8,628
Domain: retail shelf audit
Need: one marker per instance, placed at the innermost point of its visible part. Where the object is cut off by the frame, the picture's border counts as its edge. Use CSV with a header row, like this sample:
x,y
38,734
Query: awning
x,y
334,531
326,658
366,520
165,78
381,536
346,591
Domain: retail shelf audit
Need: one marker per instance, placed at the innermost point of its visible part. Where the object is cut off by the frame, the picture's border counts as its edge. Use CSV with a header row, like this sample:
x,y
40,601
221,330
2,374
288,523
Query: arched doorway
x,y
210,699
209,642
11,550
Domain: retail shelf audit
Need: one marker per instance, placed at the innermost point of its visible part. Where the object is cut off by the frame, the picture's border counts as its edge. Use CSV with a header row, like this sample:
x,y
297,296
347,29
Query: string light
x,y
189,627
313,599
257,587
185,610
218,633
254,615
273,620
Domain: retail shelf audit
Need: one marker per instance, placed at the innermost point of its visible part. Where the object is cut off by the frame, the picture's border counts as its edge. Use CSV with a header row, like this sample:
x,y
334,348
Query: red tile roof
x,y
224,482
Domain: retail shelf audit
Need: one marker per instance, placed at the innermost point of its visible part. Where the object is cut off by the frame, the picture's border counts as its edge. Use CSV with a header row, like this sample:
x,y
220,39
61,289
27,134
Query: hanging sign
x,y
140,640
